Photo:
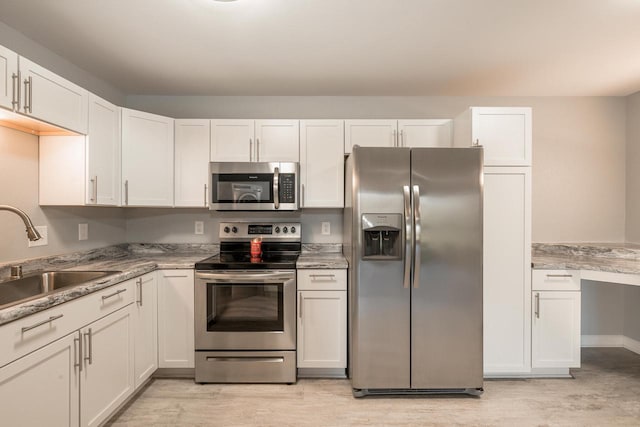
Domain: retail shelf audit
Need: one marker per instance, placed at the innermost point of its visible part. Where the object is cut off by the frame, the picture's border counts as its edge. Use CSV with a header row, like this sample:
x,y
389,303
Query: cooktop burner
x,y
279,249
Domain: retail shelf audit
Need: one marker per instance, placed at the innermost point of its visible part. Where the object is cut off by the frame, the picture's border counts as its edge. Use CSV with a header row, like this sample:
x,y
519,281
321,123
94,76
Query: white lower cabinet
x,y
146,328
555,324
107,366
42,388
322,319
175,319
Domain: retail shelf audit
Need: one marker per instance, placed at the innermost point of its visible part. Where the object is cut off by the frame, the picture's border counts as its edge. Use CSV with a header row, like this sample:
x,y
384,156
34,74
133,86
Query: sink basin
x,y
37,285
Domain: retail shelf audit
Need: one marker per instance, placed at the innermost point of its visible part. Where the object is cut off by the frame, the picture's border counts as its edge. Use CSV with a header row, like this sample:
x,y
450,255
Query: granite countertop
x,y
130,260
321,256
607,257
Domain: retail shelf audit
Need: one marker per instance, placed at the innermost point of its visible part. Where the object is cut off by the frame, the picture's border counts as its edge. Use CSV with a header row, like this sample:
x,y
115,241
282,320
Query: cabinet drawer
x,y
322,280
30,333
555,280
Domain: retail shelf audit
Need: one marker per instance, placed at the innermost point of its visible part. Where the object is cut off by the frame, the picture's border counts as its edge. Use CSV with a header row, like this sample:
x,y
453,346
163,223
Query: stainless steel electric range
x,y
245,305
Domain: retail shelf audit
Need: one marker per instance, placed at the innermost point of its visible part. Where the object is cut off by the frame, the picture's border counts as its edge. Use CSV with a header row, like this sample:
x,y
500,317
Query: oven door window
x,y
246,307
242,188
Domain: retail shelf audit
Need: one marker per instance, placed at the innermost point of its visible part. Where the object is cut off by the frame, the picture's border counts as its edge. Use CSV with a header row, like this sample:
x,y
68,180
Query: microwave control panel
x,y
287,185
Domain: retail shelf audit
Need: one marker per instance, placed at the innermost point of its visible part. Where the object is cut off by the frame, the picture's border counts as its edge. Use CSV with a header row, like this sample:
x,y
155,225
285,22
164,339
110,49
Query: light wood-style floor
x,y
605,392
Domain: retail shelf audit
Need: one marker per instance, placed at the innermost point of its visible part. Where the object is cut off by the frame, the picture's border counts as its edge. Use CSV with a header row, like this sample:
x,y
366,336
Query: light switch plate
x,y
42,229
326,228
83,231
199,229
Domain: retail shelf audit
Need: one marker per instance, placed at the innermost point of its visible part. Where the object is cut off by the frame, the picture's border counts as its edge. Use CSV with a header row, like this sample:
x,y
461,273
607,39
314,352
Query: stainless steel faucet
x,y
32,233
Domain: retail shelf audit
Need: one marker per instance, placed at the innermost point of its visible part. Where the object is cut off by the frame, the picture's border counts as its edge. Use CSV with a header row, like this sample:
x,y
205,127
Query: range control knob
x,y
227,229
293,229
234,229
285,230
277,229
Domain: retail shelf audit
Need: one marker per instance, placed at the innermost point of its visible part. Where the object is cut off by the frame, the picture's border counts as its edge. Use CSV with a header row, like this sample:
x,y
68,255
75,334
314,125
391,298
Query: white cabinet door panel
x,y
51,98
277,140
146,328
147,159
103,153
370,133
8,69
175,319
322,163
232,141
505,134
191,163
507,271
42,388
425,133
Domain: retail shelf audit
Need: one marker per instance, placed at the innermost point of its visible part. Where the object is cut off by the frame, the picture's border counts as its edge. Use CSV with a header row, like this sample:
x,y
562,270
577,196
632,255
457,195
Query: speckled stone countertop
x,y
321,256
130,260
607,257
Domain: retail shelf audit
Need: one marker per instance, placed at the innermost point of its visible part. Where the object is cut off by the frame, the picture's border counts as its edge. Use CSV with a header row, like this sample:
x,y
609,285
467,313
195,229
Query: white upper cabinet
x,y
191,163
277,140
8,78
505,134
425,133
103,153
232,140
49,97
255,140
83,170
322,163
398,133
147,159
370,133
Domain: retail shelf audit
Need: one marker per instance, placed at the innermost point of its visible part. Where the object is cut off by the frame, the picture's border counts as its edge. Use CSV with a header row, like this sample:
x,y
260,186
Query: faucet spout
x,y
32,233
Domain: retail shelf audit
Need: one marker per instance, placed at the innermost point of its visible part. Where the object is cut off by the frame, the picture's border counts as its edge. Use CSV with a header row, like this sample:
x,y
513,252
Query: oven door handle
x,y
249,277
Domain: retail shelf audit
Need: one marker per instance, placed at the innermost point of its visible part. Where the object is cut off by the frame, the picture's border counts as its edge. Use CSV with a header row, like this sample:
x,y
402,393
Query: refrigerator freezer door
x,y
380,304
446,301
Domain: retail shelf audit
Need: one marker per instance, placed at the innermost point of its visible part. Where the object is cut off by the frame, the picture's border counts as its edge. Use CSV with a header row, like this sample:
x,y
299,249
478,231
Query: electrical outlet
x,y
83,231
326,228
44,241
199,229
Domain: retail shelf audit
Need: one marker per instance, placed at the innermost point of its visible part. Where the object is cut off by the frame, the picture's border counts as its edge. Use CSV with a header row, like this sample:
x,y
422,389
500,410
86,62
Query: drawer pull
x,y
44,322
328,276
246,359
559,275
116,293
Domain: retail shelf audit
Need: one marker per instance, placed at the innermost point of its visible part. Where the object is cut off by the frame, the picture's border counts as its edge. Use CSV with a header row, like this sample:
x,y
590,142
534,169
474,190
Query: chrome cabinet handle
x,y
276,188
257,149
416,235
302,195
537,309
330,276
89,357
77,348
139,286
395,138
44,322
94,189
15,92
300,305
116,293
205,196
246,359
559,275
250,150
401,138
28,83
408,229
126,192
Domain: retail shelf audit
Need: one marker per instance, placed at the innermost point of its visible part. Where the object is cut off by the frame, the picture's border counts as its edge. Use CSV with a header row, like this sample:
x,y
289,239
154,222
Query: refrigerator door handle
x,y
416,236
408,225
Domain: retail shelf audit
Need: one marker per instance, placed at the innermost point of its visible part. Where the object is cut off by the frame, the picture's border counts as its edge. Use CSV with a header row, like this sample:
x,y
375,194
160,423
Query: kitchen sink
x,y
37,285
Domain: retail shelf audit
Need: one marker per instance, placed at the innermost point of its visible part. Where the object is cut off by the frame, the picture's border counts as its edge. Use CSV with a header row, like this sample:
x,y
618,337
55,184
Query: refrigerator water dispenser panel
x,y
381,236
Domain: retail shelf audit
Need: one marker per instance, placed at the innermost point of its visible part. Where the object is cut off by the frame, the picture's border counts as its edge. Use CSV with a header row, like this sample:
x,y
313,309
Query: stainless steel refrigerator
x,y
413,239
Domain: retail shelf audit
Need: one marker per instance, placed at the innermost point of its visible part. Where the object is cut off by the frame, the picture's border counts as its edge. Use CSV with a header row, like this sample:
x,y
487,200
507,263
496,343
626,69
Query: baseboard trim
x,y
611,341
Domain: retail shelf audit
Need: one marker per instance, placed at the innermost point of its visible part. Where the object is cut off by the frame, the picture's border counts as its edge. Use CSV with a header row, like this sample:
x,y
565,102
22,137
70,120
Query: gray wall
x,y
19,178
602,308
24,46
633,168
578,146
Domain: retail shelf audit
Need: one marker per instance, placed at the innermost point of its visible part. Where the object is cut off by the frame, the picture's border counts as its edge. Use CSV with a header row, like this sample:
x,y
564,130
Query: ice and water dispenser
x,y
381,236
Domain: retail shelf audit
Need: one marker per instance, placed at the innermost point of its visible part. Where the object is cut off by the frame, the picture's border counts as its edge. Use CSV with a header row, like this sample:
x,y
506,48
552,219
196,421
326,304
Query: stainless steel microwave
x,y
254,186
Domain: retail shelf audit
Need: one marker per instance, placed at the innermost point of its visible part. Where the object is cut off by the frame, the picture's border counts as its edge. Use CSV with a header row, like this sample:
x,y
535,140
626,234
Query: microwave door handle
x,y
276,188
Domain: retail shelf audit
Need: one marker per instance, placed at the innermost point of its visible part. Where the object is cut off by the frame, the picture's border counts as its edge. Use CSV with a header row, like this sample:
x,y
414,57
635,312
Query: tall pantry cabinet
x,y
506,134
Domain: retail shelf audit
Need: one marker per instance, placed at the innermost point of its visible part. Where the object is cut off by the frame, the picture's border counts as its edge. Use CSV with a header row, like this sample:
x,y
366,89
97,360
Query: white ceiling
x,y
344,47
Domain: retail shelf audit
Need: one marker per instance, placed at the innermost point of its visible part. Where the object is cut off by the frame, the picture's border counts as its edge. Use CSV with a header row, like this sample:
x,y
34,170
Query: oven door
x,y
245,310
